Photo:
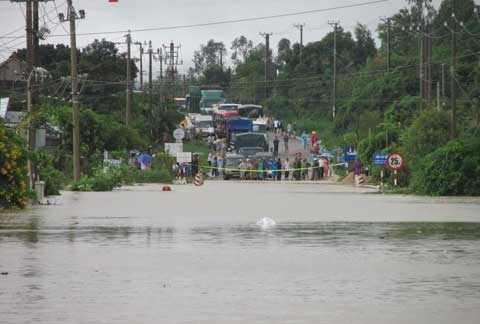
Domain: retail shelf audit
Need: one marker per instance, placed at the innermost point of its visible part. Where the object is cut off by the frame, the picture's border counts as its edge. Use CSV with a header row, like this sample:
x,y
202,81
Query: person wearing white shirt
x,y
286,167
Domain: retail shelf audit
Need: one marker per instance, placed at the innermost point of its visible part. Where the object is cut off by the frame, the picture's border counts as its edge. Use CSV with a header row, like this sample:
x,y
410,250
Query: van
x,y
232,161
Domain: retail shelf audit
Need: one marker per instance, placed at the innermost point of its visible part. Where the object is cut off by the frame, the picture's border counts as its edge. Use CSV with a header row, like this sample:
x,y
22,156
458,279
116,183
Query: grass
x,y
200,147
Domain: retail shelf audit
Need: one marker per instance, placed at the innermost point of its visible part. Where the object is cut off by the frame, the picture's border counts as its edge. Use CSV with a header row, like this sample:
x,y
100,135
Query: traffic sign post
x,y
395,162
178,134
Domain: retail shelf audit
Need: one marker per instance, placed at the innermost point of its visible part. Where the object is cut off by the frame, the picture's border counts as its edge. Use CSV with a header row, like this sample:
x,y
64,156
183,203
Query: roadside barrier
x,y
266,170
198,180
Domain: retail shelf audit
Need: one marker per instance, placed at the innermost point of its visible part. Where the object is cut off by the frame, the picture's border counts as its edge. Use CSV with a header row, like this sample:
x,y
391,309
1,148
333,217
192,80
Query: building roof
x,y
3,107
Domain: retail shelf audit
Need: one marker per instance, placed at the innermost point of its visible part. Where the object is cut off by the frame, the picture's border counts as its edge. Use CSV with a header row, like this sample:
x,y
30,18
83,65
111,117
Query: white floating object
x,y
266,222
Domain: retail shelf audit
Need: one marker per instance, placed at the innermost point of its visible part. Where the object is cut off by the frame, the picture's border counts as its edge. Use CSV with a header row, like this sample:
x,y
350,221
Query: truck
x,y
236,125
249,143
201,98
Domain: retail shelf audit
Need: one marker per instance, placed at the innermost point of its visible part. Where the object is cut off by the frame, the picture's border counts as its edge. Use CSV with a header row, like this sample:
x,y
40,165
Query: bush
x,y
13,170
113,177
53,178
453,169
101,180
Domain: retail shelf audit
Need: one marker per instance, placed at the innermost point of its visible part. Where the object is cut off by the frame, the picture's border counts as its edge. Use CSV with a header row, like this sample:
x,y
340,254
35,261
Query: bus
x,y
229,106
250,111
220,119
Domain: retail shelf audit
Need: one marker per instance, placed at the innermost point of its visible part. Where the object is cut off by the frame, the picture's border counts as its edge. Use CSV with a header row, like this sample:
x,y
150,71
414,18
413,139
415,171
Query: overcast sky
x,y
103,17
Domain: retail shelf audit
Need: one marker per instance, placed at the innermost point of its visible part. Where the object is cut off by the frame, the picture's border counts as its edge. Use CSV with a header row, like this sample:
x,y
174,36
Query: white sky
x,y
102,16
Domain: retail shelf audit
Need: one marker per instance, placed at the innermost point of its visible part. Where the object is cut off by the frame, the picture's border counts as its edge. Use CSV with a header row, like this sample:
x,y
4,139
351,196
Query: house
x,y
48,137
12,70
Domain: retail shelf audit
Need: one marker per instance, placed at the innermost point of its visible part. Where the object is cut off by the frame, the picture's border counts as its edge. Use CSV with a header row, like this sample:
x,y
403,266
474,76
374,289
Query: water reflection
x,y
31,233
336,233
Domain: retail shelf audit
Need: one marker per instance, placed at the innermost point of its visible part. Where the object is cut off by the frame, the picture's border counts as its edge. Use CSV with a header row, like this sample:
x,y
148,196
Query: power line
x,y
223,22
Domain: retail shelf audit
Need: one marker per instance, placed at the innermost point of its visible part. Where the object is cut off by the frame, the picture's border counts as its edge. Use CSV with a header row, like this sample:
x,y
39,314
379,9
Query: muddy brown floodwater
x,y
337,254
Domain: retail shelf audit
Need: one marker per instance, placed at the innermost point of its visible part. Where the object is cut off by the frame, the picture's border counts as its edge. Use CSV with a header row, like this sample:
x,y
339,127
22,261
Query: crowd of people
x,y
275,168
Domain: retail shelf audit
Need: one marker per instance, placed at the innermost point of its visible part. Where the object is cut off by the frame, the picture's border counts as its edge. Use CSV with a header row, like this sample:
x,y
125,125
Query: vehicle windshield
x,y
233,162
205,124
260,128
250,140
229,107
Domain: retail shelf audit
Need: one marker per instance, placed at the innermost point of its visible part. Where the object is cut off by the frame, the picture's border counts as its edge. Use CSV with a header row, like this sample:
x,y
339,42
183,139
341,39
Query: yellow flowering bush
x,y
13,169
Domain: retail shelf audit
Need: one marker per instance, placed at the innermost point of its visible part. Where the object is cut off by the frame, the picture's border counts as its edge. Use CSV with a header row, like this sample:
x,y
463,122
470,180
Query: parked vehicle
x,y
232,161
250,111
220,120
237,125
249,152
204,125
248,140
229,106
260,125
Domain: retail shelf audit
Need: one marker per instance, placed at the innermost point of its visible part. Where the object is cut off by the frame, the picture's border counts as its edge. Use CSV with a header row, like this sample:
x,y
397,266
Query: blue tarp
x,y
240,125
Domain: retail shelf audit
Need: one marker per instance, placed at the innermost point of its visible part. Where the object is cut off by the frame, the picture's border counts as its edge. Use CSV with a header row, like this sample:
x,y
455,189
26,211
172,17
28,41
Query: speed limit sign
x,y
395,161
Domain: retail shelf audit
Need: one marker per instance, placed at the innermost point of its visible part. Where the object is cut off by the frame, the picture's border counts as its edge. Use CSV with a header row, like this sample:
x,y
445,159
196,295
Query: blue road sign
x,y
380,159
350,153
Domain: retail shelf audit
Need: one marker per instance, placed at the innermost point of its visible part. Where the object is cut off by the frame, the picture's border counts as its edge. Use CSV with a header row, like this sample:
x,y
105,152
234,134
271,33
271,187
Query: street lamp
x,y
31,126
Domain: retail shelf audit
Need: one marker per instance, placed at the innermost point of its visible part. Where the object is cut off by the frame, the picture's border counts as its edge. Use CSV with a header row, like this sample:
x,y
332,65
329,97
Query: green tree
x,y
453,169
13,169
240,48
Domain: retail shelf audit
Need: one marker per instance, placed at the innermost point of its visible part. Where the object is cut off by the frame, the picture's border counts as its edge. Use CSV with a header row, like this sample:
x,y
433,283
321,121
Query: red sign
x,y
112,0
395,161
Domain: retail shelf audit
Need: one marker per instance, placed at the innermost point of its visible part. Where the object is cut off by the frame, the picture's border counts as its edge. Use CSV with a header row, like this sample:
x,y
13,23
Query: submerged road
x,y
336,254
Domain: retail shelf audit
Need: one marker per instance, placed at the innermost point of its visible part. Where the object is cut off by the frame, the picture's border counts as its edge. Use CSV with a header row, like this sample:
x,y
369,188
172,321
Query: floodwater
x,y
337,254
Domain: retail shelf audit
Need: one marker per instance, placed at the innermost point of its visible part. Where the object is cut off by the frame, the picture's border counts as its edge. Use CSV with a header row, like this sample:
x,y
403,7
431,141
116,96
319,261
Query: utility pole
x,y
150,85
30,68
438,95
428,61
300,26
443,84
160,53
160,92
388,24
171,59
141,64
267,61
334,24
128,100
221,57
71,17
453,98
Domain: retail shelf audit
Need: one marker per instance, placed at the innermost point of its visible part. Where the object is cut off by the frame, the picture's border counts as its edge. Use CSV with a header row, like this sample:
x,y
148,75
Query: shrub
x,y
13,170
453,169
101,180
53,178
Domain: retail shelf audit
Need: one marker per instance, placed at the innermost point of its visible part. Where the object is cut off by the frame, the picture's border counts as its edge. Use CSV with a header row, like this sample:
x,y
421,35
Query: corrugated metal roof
x,y
3,107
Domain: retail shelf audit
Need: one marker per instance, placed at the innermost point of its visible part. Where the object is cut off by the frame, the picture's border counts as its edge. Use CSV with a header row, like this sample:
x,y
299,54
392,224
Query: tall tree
x,y
365,44
241,46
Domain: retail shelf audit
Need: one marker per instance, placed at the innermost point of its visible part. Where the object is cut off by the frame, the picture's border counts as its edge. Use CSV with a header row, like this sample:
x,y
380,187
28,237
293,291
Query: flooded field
x,y
337,254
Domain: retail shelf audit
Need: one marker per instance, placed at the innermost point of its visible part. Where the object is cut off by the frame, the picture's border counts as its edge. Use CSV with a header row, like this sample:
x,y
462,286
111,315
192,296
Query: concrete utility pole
x,y
150,85
334,24
171,60
30,67
71,17
160,54
425,68
453,99
387,21
443,84
267,61
159,58
128,100
300,26
141,64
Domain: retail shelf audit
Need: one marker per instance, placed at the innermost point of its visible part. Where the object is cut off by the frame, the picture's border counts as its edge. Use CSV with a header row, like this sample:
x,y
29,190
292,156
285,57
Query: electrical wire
x,y
223,22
